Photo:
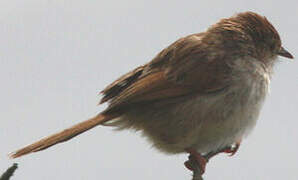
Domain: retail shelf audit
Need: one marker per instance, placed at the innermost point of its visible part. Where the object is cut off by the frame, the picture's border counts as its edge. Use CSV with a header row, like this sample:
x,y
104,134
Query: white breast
x,y
237,108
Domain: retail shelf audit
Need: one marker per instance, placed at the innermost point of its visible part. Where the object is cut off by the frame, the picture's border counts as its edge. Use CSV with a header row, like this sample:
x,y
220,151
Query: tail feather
x,y
62,136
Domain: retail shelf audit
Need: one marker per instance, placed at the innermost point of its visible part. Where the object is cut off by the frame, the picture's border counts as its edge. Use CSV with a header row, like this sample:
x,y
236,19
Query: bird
x,y
201,95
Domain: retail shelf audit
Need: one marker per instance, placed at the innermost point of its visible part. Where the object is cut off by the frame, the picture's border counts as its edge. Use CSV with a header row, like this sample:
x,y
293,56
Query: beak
x,y
285,53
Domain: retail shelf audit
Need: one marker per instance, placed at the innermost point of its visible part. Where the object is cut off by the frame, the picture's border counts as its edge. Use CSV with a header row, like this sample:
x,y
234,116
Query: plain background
x,y
56,55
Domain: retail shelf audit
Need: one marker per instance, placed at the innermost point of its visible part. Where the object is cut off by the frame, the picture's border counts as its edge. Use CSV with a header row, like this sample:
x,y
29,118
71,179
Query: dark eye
x,y
274,46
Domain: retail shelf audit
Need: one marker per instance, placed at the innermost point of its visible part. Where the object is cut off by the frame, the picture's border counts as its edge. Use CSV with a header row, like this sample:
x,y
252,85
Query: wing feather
x,y
184,67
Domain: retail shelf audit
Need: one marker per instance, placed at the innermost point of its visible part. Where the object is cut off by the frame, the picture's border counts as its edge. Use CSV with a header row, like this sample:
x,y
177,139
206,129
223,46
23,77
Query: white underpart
x,y
206,122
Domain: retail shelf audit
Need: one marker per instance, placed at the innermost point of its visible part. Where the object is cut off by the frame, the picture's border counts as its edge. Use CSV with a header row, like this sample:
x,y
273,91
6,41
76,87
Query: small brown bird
x,y
200,95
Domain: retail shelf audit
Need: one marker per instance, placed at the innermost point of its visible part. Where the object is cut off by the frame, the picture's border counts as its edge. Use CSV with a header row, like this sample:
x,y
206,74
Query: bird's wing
x,y
183,68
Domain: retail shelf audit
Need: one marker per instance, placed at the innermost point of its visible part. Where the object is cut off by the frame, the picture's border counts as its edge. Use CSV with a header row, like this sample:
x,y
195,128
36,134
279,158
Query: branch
x,y
9,172
197,175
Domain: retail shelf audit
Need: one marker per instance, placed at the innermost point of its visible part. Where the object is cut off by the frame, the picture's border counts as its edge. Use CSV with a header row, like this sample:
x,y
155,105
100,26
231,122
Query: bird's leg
x,y
195,159
230,150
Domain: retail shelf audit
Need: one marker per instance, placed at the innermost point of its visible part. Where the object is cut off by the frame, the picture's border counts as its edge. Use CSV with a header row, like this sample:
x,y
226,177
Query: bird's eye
x,y
273,47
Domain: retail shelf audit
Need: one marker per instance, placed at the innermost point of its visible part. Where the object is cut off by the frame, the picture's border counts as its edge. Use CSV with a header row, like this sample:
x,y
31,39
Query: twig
x,y
197,173
195,168
9,172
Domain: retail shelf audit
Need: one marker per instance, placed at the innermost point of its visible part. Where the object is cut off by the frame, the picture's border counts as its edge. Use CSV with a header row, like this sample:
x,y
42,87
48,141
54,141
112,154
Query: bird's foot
x,y
195,160
231,150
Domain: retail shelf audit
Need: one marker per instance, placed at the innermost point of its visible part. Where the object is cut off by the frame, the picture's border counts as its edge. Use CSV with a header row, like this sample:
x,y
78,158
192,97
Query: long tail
x,y
62,136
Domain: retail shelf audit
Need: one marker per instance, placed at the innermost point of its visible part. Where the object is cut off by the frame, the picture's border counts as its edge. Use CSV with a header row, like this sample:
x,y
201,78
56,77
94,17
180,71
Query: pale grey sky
x,y
56,55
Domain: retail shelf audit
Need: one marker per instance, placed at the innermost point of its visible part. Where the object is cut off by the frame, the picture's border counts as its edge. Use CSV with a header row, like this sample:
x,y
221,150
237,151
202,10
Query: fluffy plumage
x,y
204,91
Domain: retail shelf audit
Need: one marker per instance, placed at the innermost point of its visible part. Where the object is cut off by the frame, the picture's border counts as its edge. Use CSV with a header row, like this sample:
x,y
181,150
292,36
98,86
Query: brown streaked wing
x,y
182,68
155,86
120,84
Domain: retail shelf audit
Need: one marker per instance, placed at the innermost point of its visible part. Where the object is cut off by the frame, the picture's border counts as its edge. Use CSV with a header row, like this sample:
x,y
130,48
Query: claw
x,y
232,149
196,159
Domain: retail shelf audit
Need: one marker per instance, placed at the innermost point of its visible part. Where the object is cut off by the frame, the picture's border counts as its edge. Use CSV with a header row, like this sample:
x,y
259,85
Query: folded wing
x,y
183,68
